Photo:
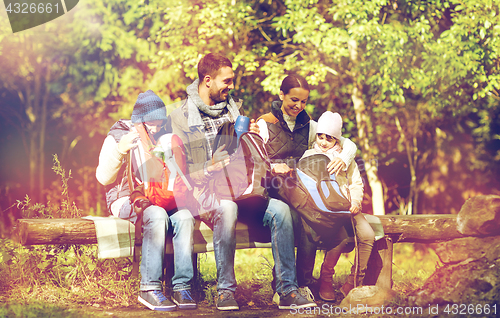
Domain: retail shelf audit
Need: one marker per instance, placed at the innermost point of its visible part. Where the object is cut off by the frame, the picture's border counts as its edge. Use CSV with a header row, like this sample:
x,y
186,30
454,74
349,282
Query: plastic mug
x,y
241,126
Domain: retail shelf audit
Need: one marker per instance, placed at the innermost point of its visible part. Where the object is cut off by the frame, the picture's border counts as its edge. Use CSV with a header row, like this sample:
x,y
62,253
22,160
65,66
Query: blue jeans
x,y
155,226
277,217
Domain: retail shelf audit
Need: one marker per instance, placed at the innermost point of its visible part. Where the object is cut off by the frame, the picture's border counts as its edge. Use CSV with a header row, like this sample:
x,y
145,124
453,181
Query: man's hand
x,y
336,165
355,208
220,159
128,141
254,127
281,168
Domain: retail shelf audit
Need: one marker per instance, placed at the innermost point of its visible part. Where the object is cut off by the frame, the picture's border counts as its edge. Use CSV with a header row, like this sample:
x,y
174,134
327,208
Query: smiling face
x,y
325,142
295,101
221,84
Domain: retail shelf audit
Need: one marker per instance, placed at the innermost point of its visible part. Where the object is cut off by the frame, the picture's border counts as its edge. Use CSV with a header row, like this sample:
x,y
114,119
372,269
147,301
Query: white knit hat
x,y
331,124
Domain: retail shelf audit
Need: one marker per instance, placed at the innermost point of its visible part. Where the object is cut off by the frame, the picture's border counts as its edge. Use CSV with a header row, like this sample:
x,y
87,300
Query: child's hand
x,y
336,165
355,208
128,141
281,168
254,127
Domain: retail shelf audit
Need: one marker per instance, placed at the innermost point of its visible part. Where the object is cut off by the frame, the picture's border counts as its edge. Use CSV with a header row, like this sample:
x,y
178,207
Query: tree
x,y
71,73
32,71
384,53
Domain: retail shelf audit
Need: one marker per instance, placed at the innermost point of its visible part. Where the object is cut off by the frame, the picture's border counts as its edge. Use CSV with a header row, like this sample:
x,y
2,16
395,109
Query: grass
x,y
39,309
62,276
412,265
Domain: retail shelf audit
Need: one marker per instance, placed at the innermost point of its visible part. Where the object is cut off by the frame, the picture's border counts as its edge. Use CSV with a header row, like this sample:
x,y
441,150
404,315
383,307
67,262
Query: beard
x,y
216,95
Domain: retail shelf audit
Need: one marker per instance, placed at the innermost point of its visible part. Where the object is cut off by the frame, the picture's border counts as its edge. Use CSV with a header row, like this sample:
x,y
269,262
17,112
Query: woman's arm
x,y
264,132
348,151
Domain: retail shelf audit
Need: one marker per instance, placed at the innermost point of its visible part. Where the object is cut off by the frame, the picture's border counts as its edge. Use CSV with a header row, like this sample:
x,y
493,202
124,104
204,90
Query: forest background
x,y
416,82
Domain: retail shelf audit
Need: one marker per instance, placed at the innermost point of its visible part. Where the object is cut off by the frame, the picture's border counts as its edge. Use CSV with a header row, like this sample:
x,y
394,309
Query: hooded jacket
x,y
112,169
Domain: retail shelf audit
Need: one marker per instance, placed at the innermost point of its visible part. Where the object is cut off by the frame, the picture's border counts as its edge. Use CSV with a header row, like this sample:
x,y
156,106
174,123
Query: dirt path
x,y
202,311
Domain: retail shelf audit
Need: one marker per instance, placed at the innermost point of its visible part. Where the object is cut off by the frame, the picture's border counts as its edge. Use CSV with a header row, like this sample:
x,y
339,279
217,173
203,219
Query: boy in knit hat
x,y
149,110
327,143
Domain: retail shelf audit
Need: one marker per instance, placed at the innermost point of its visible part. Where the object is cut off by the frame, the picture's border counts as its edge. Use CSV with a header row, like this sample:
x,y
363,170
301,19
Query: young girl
x,y
327,142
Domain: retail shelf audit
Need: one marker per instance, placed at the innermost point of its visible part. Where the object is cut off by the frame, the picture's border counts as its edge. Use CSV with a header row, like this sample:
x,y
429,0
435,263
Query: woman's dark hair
x,y
211,63
293,81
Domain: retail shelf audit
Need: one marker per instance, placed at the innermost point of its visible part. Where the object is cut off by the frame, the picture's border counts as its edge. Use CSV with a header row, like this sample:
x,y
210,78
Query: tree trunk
x,y
363,123
411,148
43,128
371,167
370,163
33,160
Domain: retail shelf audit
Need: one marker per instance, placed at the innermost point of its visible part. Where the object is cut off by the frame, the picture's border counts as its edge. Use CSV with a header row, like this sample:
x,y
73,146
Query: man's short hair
x,y
211,63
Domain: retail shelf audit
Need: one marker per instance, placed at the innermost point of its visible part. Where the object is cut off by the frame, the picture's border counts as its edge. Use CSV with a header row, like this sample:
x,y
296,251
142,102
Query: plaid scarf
x,y
212,126
211,117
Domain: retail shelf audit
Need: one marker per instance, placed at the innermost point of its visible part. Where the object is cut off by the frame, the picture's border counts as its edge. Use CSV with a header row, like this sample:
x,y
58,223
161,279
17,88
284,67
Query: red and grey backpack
x,y
158,169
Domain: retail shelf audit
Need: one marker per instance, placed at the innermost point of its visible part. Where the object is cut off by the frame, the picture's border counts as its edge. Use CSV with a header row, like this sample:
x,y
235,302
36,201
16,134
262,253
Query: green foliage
x,y
63,209
39,273
419,66
67,209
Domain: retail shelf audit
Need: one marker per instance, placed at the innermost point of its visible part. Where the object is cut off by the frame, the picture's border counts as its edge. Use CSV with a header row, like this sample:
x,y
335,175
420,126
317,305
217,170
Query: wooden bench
x,y
397,228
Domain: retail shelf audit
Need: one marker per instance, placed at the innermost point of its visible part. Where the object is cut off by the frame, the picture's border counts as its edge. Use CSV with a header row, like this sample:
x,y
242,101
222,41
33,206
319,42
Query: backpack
x,y
159,170
316,196
242,180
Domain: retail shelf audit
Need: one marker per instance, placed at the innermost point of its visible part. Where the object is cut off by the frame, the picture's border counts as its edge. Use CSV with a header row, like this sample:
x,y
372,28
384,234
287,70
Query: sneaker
x,y
304,291
183,299
307,293
295,300
226,301
155,300
276,299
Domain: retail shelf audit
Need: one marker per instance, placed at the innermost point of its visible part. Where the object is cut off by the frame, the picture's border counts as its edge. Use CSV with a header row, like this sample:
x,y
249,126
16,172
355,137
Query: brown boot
x,y
326,291
346,288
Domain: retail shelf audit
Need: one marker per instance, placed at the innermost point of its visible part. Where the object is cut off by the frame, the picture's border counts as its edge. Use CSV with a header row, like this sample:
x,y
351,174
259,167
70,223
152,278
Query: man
x,y
196,121
149,110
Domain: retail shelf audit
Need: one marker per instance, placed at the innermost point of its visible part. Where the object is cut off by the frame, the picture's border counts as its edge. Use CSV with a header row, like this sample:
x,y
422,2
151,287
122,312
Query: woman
x,y
288,132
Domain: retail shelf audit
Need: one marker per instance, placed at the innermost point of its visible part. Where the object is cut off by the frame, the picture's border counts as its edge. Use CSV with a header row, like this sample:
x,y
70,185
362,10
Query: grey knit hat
x,y
148,107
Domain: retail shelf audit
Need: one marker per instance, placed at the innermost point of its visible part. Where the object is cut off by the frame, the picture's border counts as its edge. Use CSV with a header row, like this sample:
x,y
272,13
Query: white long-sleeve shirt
x,y
348,147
